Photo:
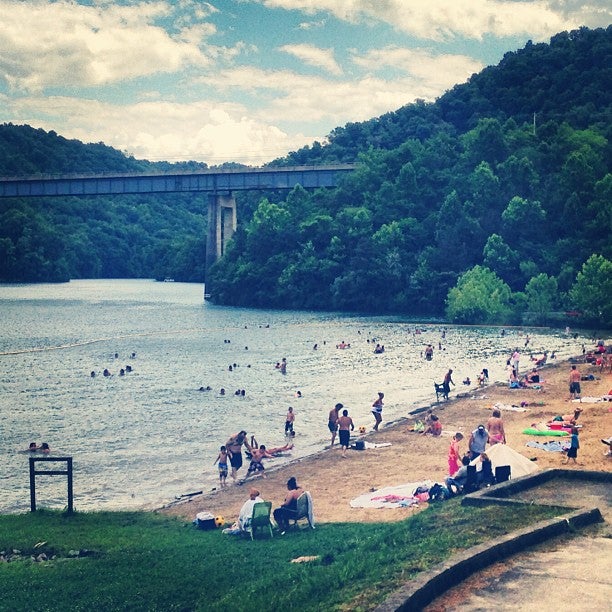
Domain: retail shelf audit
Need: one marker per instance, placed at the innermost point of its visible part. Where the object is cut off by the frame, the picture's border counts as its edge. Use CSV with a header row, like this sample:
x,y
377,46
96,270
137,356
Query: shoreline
x,y
410,457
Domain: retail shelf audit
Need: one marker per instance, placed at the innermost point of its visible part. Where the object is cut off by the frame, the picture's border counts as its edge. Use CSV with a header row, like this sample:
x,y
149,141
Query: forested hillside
x,y
492,202
466,206
57,239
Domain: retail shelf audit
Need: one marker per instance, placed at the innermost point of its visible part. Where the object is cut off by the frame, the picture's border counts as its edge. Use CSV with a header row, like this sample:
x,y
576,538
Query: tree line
x,y
492,204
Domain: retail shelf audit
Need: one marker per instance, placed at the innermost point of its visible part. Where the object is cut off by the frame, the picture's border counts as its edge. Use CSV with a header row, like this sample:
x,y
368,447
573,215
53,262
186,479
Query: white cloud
x,y
205,105
287,95
312,25
445,19
314,56
157,130
434,71
65,44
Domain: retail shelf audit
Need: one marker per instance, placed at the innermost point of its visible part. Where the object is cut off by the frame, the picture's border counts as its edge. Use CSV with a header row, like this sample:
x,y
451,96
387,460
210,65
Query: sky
x,y
249,81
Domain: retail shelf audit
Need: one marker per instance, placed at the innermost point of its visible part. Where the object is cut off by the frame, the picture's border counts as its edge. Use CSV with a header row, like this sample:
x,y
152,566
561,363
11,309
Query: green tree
x,y
592,291
541,292
480,296
501,259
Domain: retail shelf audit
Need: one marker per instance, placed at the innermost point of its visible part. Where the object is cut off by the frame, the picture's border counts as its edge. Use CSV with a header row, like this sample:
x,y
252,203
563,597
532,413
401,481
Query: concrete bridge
x,y
220,186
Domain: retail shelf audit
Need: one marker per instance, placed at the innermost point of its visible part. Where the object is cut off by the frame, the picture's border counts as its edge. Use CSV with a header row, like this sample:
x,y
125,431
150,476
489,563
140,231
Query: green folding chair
x,y
261,518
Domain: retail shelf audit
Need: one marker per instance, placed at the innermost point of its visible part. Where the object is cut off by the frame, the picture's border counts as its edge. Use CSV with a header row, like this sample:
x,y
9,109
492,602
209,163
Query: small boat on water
x,y
168,280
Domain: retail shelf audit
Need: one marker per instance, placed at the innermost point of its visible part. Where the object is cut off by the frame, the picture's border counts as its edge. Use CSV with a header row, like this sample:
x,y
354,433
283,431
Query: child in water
x,y
222,459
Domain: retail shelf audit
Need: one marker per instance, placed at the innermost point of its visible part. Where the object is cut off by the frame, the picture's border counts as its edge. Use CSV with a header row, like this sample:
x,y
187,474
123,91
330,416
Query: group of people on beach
x,y
490,433
230,453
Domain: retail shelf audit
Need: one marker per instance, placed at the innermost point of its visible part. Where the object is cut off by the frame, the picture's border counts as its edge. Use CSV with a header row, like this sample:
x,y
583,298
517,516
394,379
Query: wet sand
x,y
334,481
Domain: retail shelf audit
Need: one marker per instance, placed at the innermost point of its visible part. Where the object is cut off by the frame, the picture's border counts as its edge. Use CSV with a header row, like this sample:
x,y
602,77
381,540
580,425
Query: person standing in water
x,y
447,382
332,422
345,426
222,460
377,408
289,420
234,448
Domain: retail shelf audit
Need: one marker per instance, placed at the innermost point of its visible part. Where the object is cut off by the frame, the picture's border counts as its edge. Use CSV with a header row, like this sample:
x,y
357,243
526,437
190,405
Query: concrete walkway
x,y
565,576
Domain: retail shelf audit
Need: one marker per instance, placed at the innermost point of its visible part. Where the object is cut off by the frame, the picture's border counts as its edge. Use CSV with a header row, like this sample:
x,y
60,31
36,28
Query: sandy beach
x,y
333,481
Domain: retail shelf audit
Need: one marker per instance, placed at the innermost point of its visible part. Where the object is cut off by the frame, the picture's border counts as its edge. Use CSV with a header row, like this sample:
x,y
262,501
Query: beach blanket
x,y
587,400
391,497
552,445
511,407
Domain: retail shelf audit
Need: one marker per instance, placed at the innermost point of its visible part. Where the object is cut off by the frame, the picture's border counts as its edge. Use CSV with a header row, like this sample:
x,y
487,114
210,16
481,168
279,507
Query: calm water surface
x,y
142,439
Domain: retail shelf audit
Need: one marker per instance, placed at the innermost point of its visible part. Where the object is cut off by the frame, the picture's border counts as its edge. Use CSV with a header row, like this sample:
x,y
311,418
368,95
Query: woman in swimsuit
x,y
495,427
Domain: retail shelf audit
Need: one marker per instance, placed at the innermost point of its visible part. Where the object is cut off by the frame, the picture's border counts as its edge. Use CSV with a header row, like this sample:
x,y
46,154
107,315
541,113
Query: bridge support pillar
x,y
222,223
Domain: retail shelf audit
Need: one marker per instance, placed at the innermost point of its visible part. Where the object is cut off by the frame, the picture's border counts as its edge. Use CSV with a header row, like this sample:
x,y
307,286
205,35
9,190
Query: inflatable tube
x,y
530,431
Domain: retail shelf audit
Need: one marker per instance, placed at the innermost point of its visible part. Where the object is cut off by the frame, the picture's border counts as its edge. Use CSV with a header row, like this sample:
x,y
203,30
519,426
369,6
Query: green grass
x,y
145,561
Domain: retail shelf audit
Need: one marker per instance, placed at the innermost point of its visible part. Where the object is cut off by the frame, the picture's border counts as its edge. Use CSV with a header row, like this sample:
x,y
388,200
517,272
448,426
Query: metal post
x,y
69,474
34,472
32,486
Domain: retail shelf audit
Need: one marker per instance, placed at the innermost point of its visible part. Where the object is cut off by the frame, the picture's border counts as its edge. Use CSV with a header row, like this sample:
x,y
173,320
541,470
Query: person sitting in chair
x,y
246,512
287,510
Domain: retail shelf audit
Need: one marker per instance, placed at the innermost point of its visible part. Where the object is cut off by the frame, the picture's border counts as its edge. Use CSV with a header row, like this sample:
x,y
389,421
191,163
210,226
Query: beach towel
x,y
377,444
311,518
532,431
391,497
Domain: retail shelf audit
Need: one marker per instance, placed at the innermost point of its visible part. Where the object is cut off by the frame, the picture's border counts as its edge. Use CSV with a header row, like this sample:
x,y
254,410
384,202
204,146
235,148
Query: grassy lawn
x,y
144,561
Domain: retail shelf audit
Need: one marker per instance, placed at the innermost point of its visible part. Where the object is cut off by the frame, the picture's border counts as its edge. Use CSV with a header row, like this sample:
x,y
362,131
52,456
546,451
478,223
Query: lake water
x,y
142,439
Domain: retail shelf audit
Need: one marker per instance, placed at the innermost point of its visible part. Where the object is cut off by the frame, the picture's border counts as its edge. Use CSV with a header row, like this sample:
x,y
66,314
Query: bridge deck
x,y
214,181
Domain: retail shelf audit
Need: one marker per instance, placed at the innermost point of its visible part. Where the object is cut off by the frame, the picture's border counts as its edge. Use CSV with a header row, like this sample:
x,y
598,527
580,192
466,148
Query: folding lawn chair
x,y
261,518
303,511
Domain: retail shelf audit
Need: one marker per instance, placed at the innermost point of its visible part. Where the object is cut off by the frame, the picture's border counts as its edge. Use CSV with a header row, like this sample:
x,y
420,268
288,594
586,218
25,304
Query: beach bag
x,y
438,493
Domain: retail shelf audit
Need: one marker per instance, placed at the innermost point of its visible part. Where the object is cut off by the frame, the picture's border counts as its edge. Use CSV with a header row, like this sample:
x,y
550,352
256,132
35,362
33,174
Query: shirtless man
x,y
234,449
345,426
289,420
287,510
574,383
448,379
257,455
332,422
